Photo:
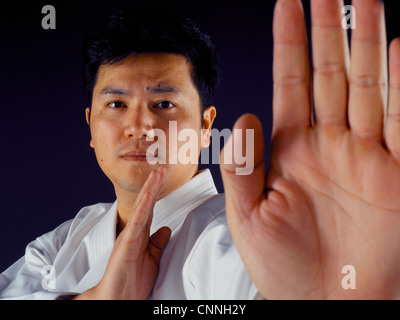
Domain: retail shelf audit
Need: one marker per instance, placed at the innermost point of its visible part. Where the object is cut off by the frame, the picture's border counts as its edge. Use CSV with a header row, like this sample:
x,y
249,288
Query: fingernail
x,y
161,170
156,175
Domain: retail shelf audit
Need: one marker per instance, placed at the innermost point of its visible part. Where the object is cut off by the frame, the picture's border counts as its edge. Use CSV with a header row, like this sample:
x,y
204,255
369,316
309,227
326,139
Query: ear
x,y
87,114
208,119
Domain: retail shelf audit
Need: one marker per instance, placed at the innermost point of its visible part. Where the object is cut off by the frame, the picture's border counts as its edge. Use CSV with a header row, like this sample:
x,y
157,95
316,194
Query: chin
x,y
132,185
132,180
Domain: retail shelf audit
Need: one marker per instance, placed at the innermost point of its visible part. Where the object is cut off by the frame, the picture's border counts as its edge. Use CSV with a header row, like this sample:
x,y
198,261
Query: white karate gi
x,y
200,261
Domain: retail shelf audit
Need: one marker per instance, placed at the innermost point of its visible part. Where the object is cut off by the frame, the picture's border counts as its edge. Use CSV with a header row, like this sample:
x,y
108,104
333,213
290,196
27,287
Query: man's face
x,y
141,93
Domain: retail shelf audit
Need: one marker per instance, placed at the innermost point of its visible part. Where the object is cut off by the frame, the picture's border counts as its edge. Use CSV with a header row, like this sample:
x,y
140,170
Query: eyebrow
x,y
159,89
115,91
162,89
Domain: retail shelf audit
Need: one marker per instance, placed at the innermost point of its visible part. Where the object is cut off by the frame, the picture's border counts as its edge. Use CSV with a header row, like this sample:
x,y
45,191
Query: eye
x,y
164,105
115,104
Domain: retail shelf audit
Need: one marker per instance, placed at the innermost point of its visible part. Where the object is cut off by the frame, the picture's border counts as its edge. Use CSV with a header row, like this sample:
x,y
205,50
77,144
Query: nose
x,y
138,122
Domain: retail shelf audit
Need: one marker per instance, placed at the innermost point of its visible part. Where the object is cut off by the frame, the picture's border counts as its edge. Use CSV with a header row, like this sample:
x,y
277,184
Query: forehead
x,y
146,69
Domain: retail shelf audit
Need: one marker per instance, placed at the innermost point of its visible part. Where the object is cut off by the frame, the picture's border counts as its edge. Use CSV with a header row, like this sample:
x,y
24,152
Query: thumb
x,y
158,242
243,178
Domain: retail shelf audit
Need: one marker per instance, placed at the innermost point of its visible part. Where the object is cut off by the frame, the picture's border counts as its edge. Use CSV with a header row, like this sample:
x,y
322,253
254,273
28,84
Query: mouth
x,y
137,155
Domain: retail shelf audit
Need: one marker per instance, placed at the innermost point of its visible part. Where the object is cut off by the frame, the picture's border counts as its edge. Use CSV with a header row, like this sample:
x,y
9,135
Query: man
x,y
145,71
329,198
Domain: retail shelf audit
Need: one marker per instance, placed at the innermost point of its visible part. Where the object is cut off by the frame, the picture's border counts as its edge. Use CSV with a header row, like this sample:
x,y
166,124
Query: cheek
x,y
189,135
105,135
180,137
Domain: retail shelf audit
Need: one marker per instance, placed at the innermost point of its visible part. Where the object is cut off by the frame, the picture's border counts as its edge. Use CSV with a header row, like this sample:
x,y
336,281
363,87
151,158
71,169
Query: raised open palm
x,y
331,195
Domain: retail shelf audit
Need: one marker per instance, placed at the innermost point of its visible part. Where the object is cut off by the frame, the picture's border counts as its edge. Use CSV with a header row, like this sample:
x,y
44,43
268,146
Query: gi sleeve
x,y
33,276
214,269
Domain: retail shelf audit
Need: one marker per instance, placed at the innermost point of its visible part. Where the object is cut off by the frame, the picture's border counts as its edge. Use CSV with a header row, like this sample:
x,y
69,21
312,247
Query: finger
x,y
393,115
153,183
243,181
331,61
156,190
141,215
291,100
158,242
368,70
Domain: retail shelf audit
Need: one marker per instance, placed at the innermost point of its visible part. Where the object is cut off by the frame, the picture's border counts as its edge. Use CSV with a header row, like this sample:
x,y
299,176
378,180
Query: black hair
x,y
152,30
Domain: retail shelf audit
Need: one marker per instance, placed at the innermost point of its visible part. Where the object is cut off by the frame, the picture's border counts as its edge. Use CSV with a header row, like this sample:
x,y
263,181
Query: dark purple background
x,y
48,170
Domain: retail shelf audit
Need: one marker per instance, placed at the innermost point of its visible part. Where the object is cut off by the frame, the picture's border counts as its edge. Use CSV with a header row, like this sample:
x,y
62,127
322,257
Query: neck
x,y
126,200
